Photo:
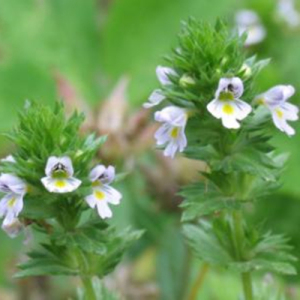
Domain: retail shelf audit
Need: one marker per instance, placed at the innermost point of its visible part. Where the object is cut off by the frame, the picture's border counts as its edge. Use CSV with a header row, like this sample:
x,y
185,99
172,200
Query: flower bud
x,y
186,80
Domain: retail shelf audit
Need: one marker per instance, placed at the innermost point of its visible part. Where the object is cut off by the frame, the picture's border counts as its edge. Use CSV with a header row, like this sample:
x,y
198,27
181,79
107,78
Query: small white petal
x,y
109,175
290,111
282,125
155,98
112,195
242,109
91,200
162,135
162,74
182,140
103,210
66,161
215,108
230,122
171,149
52,161
18,207
96,172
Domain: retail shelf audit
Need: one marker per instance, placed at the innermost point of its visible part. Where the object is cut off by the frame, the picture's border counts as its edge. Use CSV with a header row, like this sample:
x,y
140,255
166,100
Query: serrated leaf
x,y
205,245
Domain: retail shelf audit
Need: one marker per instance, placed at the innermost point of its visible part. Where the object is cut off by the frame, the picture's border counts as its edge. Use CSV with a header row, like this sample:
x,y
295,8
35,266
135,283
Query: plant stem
x,y
239,238
247,286
199,281
89,289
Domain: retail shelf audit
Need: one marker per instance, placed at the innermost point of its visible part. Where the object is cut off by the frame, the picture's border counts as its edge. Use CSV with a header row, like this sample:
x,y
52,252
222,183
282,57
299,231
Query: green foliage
x,y
242,165
93,248
214,243
102,293
172,264
73,240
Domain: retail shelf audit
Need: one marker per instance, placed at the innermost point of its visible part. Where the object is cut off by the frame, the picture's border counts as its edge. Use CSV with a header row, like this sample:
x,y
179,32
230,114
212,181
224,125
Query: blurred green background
x,y
95,43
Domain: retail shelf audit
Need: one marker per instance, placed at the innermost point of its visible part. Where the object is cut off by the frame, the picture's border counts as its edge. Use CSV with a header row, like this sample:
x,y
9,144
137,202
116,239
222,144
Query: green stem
x,y
239,238
247,286
89,289
199,282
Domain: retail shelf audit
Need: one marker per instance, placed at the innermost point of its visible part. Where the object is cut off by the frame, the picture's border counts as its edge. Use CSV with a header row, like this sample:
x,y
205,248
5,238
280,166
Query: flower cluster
x,y
59,179
226,106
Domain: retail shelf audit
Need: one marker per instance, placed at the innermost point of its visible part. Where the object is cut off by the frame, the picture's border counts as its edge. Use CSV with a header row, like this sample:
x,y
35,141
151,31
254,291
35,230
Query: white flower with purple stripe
x,y
227,106
171,133
12,203
59,175
103,194
275,99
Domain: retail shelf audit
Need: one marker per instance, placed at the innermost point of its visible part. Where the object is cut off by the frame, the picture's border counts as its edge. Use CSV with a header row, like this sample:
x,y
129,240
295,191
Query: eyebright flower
x,y
12,203
171,133
103,194
227,105
275,99
59,179
12,228
287,11
157,96
8,158
248,21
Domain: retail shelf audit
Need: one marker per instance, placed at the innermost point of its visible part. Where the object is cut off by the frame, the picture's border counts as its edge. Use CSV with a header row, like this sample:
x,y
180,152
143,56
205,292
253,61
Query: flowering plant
x,y
216,116
49,186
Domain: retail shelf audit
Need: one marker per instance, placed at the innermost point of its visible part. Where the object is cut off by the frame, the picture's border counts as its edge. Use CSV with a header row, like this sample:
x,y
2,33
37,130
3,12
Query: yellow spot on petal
x,y
11,202
99,195
228,109
174,132
60,184
279,113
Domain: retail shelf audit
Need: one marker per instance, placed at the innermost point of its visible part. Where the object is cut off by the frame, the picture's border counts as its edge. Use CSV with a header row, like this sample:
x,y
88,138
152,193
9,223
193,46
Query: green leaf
x,y
172,258
205,244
